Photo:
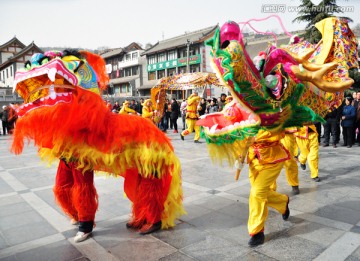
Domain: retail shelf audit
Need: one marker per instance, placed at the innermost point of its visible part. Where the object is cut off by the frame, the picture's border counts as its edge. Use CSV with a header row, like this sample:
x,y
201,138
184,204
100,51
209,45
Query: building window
x,y
134,56
182,69
194,68
7,72
161,74
151,76
152,59
171,72
127,72
161,57
123,88
172,55
128,57
135,70
182,53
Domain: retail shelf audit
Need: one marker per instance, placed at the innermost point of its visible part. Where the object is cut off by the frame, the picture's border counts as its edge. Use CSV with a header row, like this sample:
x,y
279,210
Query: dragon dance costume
x,y
191,117
294,86
64,87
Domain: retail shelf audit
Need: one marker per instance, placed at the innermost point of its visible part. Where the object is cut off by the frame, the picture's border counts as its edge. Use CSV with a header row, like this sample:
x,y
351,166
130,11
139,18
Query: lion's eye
x,y
27,65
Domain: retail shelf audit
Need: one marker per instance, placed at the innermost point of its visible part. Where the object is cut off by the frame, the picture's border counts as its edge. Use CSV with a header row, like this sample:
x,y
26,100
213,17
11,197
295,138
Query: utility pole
x,y
188,43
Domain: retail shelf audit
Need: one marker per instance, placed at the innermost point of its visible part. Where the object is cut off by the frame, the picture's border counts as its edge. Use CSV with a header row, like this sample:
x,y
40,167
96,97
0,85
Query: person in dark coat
x,y
174,115
347,122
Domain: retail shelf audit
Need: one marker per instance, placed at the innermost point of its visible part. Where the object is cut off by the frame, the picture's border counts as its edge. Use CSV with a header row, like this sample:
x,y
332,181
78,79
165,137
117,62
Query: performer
x,y
191,117
147,110
307,140
266,158
125,109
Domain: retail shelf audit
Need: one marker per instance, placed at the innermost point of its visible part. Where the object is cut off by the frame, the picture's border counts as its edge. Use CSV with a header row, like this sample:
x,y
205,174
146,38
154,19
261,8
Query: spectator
x,y
183,113
331,127
202,107
139,106
116,107
4,119
347,122
222,102
213,106
174,115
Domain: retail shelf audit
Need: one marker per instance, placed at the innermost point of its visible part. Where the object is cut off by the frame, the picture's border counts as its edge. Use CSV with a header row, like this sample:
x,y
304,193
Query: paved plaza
x,y
324,223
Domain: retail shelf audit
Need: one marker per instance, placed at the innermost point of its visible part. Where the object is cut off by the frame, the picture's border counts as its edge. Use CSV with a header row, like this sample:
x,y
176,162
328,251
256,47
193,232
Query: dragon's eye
x,y
27,65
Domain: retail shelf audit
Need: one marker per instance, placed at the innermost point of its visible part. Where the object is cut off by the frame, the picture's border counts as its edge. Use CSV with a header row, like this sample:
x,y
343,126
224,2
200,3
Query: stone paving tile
x,y
317,233
31,177
114,235
214,248
177,256
182,236
28,232
213,202
61,250
281,248
142,248
14,209
3,243
254,255
339,213
4,187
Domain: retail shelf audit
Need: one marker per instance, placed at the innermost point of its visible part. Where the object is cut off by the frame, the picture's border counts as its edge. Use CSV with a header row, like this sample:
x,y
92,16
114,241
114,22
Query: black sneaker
x,y
295,190
196,141
257,239
181,136
286,215
317,179
303,166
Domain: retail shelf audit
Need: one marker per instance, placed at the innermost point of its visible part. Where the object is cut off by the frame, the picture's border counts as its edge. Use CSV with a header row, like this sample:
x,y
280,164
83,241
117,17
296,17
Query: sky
x,y
93,24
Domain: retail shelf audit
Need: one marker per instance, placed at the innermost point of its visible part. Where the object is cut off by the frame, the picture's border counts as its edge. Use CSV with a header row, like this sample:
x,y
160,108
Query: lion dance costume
x,y
66,118
294,86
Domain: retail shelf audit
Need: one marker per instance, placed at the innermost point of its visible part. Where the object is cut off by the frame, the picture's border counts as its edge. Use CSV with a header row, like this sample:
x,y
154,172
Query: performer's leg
x,y
304,149
190,127
63,190
85,200
261,196
313,157
197,131
291,168
149,203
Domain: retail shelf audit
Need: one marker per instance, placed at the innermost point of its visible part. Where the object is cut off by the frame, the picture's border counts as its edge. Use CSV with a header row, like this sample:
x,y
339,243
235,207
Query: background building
x,y
13,55
125,69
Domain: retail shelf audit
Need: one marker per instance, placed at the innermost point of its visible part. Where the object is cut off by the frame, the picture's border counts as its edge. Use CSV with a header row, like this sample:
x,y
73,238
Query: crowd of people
x,y
172,110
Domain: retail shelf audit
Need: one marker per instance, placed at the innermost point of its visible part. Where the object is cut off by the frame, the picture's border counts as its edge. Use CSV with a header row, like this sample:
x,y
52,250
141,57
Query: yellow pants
x,y
291,167
262,176
191,126
309,151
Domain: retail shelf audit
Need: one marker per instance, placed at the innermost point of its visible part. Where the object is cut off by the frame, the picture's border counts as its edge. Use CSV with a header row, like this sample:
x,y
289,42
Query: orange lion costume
x,y
66,118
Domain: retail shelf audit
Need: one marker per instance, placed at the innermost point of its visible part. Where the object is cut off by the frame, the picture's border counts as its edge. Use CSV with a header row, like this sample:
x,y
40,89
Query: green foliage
x,y
312,14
